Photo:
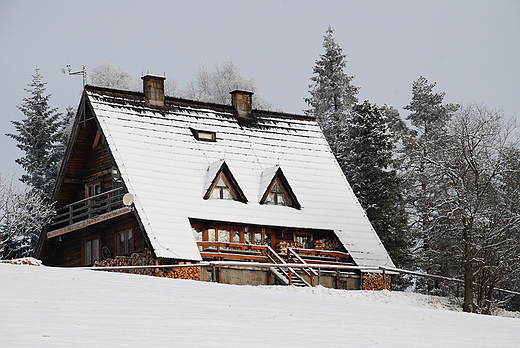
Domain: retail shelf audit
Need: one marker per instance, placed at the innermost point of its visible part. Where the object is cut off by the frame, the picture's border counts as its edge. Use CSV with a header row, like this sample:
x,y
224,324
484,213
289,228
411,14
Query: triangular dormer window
x,y
220,184
278,191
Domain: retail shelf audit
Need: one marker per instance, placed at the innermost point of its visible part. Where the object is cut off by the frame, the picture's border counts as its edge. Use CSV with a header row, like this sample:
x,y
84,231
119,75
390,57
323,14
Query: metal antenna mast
x,y
82,72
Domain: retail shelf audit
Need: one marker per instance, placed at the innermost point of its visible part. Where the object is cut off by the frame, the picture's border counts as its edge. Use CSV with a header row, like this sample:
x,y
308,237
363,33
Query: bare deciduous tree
x,y
23,213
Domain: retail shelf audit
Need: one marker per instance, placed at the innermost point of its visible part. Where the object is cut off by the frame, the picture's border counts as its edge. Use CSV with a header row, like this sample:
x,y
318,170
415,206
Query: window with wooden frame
x,y
224,186
231,234
125,242
303,239
279,192
92,189
90,252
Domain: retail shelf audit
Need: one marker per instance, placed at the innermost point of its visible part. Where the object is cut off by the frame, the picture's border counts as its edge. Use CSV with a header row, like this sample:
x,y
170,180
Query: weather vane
x,y
82,72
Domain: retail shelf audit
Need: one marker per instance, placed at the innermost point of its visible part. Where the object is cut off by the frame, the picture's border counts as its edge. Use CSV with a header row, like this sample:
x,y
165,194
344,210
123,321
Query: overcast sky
x,y
470,48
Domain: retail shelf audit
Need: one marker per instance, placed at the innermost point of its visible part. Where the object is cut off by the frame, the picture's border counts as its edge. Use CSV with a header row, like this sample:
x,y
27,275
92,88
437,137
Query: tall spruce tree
x,y
369,169
332,94
38,134
429,115
362,145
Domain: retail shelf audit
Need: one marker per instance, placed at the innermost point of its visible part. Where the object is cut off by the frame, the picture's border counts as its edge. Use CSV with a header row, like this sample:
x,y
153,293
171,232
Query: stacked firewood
x,y
147,259
136,259
376,282
192,273
281,246
324,244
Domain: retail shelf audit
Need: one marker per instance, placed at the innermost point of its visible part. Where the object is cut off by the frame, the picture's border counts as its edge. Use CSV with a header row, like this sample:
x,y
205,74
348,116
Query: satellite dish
x,y
128,199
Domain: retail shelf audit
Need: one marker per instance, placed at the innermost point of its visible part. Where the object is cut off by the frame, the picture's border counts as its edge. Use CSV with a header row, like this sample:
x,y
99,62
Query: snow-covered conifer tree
x,y
368,166
38,135
332,93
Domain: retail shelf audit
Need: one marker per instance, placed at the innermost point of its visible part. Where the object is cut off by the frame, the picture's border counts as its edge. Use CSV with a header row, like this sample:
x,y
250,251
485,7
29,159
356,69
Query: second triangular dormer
x,y
276,189
220,184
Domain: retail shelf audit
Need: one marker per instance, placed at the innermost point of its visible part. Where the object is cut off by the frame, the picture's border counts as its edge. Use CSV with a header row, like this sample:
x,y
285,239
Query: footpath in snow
x,y
55,307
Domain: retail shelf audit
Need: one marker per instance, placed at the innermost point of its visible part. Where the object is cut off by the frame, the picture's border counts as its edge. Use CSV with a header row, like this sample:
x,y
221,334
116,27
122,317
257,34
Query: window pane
x,y
236,236
226,194
258,238
267,239
223,236
220,183
211,235
95,250
281,200
197,233
304,240
276,189
130,243
120,243
248,238
270,199
215,194
88,253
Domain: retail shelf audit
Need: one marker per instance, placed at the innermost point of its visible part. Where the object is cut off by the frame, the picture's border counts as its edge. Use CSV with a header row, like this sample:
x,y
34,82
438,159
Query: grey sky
x,y
470,48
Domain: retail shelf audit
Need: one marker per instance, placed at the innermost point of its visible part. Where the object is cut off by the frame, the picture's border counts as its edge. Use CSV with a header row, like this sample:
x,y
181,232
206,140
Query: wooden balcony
x,y
222,251
88,211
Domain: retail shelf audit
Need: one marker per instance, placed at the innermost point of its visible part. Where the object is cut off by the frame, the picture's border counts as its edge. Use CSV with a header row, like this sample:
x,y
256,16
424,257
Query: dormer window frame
x,y
203,135
272,196
221,186
225,176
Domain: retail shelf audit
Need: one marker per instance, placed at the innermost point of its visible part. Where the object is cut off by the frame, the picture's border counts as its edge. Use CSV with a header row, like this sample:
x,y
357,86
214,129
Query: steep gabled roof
x,y
166,169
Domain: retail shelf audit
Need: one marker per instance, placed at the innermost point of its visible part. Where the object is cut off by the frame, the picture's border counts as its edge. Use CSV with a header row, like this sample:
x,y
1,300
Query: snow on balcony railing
x,y
88,208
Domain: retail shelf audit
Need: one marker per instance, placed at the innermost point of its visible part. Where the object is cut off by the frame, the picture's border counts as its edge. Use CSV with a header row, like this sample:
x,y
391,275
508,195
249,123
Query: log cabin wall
x,y
67,250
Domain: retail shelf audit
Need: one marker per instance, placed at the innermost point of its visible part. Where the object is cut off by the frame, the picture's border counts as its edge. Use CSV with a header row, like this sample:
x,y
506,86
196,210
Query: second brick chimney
x,y
242,101
153,87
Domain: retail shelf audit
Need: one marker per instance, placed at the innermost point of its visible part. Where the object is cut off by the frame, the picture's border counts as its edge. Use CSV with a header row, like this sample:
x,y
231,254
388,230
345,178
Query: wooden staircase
x,y
286,275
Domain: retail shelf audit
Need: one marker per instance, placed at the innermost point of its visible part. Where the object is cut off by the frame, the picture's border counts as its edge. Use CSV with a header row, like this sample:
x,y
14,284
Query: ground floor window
x,y
125,242
90,251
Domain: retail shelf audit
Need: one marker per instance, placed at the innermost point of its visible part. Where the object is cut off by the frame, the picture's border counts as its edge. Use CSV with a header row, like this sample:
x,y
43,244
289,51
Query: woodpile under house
x,y
150,180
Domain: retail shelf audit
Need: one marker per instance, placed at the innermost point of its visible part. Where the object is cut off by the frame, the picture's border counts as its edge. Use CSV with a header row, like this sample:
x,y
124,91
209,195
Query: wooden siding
x,y
66,250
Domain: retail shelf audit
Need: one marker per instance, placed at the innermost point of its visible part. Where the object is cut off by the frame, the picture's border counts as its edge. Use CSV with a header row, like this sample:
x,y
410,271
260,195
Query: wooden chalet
x,y
183,182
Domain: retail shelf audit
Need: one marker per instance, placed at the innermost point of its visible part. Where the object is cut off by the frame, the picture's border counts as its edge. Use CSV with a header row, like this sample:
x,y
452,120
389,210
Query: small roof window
x,y
204,135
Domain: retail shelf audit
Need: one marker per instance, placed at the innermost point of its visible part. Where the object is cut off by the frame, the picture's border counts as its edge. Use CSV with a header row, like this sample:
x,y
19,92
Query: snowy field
x,y
51,307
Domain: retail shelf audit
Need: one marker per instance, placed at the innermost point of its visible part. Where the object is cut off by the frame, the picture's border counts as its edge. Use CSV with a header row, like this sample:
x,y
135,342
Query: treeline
x,y
441,187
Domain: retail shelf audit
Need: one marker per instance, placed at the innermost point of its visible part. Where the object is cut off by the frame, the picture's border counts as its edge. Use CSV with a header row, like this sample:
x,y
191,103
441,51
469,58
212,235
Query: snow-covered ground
x,y
56,307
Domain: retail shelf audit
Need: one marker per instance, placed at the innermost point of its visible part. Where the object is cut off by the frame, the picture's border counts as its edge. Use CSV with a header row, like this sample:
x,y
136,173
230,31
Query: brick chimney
x,y
242,101
153,87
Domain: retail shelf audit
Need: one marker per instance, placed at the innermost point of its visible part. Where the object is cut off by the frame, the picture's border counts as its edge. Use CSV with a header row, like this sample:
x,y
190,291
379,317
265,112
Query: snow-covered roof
x,y
168,172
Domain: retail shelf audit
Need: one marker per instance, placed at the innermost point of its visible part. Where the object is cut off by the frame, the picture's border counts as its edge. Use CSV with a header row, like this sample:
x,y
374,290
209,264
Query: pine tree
x,y
332,93
368,167
37,137
65,129
429,116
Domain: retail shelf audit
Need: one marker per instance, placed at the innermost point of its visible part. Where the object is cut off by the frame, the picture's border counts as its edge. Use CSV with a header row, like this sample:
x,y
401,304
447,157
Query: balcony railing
x,y
88,208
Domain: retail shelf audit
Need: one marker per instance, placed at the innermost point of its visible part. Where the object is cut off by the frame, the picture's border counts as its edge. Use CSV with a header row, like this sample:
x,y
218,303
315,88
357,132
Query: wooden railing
x,y
88,208
329,257
233,251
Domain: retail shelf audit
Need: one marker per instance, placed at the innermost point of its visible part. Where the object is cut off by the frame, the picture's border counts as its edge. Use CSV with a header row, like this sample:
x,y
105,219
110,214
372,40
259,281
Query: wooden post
x,y
337,278
290,276
319,275
384,279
